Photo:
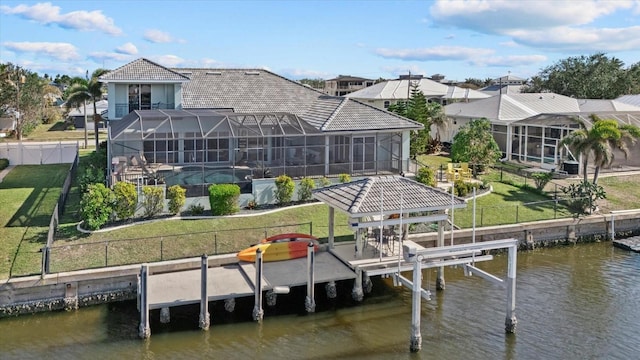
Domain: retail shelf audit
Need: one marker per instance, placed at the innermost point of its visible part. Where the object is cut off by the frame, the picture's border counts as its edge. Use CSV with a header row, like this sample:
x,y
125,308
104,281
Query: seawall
x,y
71,290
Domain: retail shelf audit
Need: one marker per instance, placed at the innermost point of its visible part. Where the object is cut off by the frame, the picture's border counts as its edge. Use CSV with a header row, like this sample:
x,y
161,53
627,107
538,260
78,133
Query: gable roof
x,y
143,70
383,194
630,99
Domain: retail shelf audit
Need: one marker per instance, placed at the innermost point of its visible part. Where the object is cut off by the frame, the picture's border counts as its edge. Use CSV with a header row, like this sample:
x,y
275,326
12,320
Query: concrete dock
x,y
632,243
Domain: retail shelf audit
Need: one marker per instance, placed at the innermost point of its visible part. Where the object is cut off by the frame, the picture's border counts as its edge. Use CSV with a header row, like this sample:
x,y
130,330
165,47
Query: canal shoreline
x,y
72,290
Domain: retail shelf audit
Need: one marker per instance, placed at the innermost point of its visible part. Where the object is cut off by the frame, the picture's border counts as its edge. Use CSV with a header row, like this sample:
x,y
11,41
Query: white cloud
x,y
565,38
508,61
494,16
46,13
158,36
59,51
128,49
168,60
99,56
434,53
509,43
298,74
397,70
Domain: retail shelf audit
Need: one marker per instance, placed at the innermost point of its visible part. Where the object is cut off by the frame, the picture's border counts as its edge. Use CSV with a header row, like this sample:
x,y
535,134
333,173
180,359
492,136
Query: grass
x,y
434,161
57,132
28,195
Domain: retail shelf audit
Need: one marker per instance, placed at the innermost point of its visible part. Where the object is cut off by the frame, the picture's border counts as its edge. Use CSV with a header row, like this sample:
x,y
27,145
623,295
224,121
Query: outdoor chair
x,y
465,172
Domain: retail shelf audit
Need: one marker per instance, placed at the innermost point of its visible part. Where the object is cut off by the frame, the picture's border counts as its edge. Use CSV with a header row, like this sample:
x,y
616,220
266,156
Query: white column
x,y
416,337
258,312
511,321
144,330
204,320
310,302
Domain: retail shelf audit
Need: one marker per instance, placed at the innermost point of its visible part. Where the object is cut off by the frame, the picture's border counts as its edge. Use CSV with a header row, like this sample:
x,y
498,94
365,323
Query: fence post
x,y
500,173
215,242
555,208
161,249
310,228
481,215
106,254
517,207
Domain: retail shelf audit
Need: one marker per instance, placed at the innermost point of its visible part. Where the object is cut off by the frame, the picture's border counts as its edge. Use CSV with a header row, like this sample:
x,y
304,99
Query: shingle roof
x,y
143,70
258,90
374,195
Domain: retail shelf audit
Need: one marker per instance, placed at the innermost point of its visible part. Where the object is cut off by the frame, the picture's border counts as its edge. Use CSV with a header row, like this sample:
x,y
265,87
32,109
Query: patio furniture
x,y
465,172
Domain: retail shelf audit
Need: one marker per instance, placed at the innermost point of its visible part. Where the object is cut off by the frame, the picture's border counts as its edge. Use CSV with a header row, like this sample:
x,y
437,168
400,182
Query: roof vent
x,y
252,73
214,72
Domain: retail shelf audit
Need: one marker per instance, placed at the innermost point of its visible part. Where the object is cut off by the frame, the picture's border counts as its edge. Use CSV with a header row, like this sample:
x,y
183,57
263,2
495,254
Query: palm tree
x,y
83,90
600,141
437,117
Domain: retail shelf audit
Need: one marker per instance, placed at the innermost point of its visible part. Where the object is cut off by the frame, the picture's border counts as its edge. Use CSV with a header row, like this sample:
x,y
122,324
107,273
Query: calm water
x,y
579,302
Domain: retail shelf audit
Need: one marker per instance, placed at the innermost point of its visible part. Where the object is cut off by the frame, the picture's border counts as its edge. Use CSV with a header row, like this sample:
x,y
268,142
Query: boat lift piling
x,y
258,312
310,302
144,330
466,255
204,319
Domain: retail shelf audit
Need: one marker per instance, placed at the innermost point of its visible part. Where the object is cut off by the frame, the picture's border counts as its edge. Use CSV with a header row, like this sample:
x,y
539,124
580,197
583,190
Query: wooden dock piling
x,y
204,319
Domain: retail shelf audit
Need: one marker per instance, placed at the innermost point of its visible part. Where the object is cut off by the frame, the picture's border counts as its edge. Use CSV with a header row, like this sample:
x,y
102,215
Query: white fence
x,y
31,153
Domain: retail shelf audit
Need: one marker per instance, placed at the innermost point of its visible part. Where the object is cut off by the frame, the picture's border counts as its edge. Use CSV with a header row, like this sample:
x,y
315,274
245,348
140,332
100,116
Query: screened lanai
x,y
243,146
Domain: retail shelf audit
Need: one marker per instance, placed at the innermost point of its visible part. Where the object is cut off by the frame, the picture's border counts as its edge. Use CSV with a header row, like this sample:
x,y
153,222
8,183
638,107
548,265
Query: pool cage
x,y
195,148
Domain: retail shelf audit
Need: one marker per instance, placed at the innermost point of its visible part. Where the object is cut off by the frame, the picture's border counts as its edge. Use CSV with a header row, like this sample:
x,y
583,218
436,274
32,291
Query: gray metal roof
x,y
387,195
492,90
598,105
455,92
513,107
143,70
399,89
630,99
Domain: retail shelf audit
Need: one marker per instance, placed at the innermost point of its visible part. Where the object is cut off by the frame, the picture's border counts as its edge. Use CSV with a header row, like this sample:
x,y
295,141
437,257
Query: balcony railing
x,y
124,109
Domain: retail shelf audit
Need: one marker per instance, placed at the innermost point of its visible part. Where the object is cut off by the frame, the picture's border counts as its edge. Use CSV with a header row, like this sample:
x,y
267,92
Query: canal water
x,y
575,302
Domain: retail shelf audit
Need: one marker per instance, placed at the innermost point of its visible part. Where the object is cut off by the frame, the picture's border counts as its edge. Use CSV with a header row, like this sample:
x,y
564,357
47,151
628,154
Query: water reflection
x,y
572,303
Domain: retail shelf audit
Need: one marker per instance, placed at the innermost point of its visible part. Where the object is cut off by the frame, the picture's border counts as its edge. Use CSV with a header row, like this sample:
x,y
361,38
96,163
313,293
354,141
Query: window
x,y
139,97
386,104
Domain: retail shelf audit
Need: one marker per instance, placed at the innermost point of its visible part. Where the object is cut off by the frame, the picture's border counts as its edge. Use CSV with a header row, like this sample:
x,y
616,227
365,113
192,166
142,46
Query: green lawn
x,y
57,132
28,195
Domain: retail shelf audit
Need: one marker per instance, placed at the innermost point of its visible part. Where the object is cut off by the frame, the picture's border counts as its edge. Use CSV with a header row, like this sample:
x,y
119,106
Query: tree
x,y
600,141
474,144
585,77
83,90
21,94
415,109
437,117
314,83
474,82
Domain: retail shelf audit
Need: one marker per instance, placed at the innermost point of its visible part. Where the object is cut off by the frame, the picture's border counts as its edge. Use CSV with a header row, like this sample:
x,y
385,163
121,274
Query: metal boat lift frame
x,y
466,255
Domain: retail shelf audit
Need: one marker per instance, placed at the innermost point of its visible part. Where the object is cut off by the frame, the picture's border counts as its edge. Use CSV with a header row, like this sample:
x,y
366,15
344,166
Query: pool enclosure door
x,y
364,153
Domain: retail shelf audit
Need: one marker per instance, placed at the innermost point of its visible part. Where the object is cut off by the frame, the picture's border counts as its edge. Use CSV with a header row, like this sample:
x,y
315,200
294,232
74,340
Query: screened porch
x,y
246,146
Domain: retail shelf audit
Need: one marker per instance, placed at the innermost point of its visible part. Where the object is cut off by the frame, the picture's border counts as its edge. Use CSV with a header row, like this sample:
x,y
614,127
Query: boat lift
x,y
466,255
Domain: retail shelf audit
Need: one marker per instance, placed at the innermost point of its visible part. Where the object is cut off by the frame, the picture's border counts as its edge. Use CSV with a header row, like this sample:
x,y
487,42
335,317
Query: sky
x,y
319,39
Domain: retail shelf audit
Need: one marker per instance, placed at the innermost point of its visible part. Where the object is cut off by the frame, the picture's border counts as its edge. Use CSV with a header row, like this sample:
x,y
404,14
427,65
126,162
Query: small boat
x,y
280,247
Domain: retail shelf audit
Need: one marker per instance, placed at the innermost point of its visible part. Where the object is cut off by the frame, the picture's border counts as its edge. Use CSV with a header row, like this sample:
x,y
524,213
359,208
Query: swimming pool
x,y
190,176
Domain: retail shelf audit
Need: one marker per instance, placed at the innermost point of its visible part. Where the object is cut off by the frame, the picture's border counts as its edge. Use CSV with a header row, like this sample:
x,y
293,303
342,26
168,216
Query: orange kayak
x,y
280,247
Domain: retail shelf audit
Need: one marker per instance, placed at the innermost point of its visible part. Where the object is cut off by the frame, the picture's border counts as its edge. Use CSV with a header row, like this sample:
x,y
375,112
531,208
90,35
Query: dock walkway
x,y
632,243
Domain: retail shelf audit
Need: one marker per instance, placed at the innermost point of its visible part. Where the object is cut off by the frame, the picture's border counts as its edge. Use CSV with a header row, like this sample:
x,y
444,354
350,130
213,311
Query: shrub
x,y
541,179
223,199
584,196
344,178
461,188
196,209
252,204
284,189
96,206
152,201
426,176
89,176
177,197
304,191
71,127
325,181
126,200
4,163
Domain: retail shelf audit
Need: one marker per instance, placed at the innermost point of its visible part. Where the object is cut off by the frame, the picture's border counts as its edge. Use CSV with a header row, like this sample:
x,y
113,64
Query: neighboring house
x,y
77,116
7,123
504,85
250,122
529,127
345,84
630,99
387,93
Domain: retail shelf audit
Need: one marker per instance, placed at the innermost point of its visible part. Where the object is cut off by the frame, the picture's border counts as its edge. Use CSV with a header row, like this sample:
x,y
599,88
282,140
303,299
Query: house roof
x,y
349,78
512,107
101,106
387,195
599,105
630,99
492,90
398,89
143,70
259,91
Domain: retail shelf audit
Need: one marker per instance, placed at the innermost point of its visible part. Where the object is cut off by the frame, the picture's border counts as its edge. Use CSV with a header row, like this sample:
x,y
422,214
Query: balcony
x,y
124,109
